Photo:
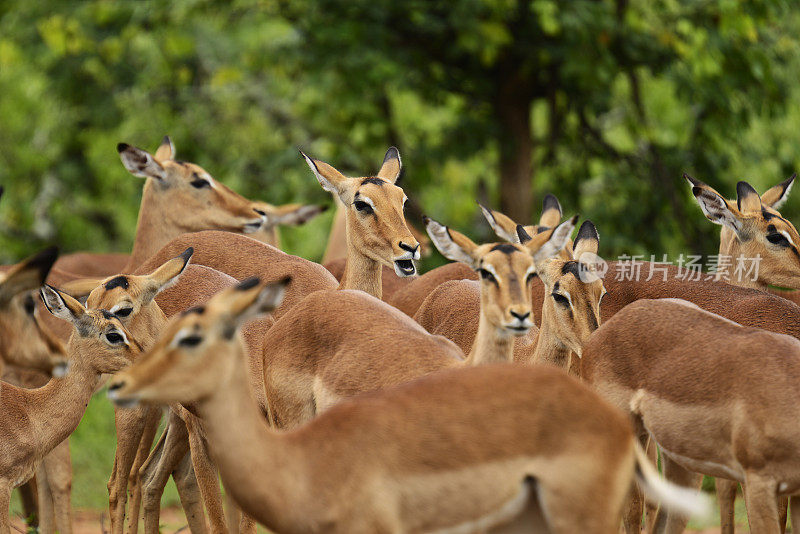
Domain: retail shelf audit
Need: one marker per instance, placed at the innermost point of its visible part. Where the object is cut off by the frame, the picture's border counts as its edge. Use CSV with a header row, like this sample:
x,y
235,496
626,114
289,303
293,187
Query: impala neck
x,y
361,272
56,408
491,345
262,473
549,349
153,231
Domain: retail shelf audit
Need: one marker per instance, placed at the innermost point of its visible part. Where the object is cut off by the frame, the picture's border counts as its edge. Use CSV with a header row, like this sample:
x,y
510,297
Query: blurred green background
x,y
604,103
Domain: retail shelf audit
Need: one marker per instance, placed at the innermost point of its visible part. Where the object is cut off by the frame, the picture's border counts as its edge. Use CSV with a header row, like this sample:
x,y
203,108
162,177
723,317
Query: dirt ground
x,y
173,522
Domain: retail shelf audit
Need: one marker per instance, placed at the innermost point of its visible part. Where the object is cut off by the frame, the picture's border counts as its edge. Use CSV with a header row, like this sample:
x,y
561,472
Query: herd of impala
x,y
389,402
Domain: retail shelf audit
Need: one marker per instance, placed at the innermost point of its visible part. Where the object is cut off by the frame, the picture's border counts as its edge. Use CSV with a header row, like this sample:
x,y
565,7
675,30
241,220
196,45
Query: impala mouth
x,y
123,402
254,226
404,268
518,329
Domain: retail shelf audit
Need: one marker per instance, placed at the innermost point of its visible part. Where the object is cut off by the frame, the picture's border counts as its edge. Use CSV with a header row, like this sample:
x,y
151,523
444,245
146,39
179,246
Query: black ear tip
x,y
791,179
425,220
522,234
44,260
166,140
323,208
587,231
187,254
248,283
391,153
574,219
692,181
743,188
122,147
550,202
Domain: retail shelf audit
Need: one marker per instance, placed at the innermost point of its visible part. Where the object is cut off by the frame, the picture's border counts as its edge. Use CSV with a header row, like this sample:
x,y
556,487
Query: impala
x,y
458,451
35,421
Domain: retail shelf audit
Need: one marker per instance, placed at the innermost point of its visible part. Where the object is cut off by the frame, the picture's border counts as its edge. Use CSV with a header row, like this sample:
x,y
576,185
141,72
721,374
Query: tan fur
x,y
390,282
445,451
409,298
680,371
35,421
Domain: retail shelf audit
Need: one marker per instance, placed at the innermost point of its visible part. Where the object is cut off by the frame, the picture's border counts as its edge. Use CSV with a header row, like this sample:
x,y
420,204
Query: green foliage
x,y
624,96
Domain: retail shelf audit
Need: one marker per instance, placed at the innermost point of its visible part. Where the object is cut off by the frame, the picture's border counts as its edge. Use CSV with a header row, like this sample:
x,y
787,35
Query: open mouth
x,y
404,267
254,226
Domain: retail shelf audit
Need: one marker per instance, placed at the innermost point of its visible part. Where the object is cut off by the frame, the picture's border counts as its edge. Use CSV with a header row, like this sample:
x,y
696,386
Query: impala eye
x,y
114,338
486,275
561,299
363,207
190,341
778,239
199,183
124,312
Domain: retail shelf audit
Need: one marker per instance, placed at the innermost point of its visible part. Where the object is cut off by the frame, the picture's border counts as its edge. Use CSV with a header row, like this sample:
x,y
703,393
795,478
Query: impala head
x,y
376,227
753,227
99,341
506,228
188,196
506,270
131,298
572,291
197,349
287,214
23,341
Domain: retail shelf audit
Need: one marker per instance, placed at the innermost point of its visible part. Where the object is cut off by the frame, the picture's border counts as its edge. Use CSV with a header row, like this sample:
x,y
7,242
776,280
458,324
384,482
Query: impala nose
x,y
409,248
521,316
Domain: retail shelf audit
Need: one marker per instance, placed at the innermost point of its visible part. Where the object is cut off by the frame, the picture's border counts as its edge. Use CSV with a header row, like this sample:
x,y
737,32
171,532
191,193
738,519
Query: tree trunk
x,y
515,139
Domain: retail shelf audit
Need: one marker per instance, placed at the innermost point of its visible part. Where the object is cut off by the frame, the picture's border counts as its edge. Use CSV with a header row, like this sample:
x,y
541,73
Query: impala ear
x,y
453,245
503,225
551,211
249,300
392,165
747,199
777,195
587,240
715,207
28,275
140,162
62,305
548,243
291,214
166,150
329,178
165,276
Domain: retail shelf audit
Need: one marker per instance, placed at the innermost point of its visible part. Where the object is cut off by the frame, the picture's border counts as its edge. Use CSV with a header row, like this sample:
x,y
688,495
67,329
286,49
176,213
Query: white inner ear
x,y
556,242
780,202
499,230
56,305
716,210
445,244
326,185
131,159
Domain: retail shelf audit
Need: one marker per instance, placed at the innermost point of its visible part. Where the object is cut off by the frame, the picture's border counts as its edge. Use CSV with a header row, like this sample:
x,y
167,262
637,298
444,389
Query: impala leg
x,y
670,522
189,491
58,466
154,474
5,508
152,419
632,518
207,478
30,507
726,497
651,508
762,504
129,425
783,514
47,517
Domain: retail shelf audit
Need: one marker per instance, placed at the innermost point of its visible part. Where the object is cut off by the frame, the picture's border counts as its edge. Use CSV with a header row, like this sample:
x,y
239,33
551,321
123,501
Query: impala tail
x,y
679,499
